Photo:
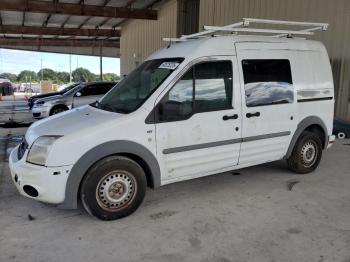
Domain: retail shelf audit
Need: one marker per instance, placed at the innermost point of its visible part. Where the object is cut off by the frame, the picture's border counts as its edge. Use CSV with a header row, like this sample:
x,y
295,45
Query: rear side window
x,y
96,89
267,82
103,88
88,90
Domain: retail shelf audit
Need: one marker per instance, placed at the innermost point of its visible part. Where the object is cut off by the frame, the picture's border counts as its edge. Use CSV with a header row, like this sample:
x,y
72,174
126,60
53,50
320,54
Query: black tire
x,y
306,154
113,188
58,109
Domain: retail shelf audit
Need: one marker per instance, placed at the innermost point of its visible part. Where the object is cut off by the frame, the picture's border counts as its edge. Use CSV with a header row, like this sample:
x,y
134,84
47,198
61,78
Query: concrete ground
x,y
251,215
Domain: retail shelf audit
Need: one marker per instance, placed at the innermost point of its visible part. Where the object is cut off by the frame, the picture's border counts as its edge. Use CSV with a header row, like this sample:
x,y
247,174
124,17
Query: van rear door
x,y
268,101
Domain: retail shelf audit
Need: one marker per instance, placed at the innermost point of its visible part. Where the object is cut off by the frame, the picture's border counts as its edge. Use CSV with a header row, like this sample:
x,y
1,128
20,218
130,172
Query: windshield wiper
x,y
96,104
108,107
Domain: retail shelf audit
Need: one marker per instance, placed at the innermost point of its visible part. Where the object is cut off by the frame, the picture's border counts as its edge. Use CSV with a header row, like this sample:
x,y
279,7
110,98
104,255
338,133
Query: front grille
x,y
36,114
22,149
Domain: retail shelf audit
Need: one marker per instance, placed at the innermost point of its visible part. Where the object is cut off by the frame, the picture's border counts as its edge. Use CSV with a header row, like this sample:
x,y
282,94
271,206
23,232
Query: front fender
x,y
99,152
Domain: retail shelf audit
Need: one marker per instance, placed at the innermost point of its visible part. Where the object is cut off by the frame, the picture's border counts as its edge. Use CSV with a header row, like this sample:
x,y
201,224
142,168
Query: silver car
x,y
83,94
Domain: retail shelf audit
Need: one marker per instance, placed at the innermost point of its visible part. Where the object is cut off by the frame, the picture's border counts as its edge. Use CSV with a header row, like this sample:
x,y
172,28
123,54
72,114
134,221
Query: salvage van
x,y
208,103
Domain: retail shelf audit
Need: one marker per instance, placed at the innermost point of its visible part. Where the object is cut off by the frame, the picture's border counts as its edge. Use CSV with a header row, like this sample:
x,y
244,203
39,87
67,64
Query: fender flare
x,y
99,152
305,123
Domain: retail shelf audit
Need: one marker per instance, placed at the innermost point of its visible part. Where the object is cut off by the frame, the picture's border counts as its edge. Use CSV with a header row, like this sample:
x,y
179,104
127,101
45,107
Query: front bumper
x,y
48,182
41,112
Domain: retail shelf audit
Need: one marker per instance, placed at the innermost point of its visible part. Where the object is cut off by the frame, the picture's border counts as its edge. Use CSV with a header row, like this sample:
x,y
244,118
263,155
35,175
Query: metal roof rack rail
x,y
243,27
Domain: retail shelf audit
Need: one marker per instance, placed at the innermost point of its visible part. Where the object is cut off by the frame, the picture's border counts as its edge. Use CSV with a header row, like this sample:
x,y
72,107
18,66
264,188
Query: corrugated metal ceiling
x,y
69,21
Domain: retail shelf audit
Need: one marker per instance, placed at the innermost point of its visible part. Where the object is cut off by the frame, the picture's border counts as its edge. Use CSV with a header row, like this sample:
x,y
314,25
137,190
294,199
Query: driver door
x,y
198,122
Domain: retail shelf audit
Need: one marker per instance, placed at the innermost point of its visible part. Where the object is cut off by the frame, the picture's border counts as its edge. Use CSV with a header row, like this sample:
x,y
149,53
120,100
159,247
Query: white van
x,y
195,108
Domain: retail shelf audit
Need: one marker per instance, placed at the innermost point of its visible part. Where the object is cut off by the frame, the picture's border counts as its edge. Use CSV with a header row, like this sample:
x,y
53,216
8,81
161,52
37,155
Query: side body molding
x,y
305,123
99,152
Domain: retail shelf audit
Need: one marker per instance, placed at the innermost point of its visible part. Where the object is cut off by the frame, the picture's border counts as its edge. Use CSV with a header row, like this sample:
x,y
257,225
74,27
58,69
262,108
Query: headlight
x,y
40,149
39,104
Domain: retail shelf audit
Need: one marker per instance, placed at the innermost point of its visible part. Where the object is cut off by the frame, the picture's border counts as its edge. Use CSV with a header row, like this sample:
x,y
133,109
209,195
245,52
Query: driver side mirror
x,y
77,94
174,111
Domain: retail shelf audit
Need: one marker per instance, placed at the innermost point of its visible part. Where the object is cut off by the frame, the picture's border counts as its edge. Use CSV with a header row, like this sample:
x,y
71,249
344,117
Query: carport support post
x,y
101,76
70,68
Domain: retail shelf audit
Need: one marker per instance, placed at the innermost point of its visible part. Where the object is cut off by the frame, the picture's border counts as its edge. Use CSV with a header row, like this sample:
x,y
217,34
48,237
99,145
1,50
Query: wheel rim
x,y
309,154
116,190
58,110
341,135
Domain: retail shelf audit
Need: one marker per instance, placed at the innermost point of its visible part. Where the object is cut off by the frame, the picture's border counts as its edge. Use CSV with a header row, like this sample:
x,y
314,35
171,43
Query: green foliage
x,y
79,75
82,75
27,76
9,76
62,78
47,74
110,77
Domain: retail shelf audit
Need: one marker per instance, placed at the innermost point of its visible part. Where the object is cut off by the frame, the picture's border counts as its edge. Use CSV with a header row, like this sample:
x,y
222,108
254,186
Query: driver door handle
x,y
256,114
225,118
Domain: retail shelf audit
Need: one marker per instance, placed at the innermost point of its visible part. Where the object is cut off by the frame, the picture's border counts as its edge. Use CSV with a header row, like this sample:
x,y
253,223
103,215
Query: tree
x,y
110,77
47,74
62,77
26,76
82,75
9,76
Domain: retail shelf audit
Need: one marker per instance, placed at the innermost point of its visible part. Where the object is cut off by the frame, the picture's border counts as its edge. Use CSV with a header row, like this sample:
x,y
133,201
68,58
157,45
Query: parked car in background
x,y
82,94
341,129
32,99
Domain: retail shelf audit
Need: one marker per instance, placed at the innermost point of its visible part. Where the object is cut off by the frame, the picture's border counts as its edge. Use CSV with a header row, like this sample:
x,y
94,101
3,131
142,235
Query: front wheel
x,y
113,188
57,110
306,154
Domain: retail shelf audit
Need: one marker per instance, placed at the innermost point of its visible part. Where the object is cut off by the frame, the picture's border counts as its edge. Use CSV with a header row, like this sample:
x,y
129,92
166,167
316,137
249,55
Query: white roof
x,y
225,45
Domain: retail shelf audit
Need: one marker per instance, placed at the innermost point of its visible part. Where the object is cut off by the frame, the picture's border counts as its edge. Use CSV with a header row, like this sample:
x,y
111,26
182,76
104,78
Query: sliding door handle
x,y
225,118
249,115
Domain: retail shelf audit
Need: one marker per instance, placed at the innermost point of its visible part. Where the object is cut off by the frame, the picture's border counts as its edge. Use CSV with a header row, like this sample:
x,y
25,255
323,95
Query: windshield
x,y
66,89
134,90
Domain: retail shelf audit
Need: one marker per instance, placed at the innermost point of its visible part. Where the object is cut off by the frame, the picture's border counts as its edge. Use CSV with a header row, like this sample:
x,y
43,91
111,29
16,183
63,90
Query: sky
x,y
14,61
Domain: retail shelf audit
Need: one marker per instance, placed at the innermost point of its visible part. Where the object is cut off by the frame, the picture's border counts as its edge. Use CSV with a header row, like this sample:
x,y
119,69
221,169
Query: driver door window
x,y
178,103
206,87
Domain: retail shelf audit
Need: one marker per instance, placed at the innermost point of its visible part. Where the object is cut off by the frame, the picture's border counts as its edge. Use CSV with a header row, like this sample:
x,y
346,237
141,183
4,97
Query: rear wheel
x,y
113,188
306,154
58,109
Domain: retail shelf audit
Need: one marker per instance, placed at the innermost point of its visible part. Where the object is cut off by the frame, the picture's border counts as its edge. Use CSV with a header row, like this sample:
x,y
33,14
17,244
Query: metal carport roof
x,y
90,27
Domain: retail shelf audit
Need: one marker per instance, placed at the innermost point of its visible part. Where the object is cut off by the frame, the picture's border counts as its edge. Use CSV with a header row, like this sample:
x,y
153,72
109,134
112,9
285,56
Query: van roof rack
x,y
243,27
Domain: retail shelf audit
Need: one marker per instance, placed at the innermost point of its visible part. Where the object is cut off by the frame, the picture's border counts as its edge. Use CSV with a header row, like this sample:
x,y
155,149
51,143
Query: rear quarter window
x,y
267,82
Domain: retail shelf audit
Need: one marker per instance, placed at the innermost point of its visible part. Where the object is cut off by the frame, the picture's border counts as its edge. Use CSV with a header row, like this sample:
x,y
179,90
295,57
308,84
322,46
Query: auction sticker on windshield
x,y
169,65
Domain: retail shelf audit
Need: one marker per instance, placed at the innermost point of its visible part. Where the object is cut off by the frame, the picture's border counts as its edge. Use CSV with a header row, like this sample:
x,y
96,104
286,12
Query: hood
x,y
50,98
69,122
45,95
